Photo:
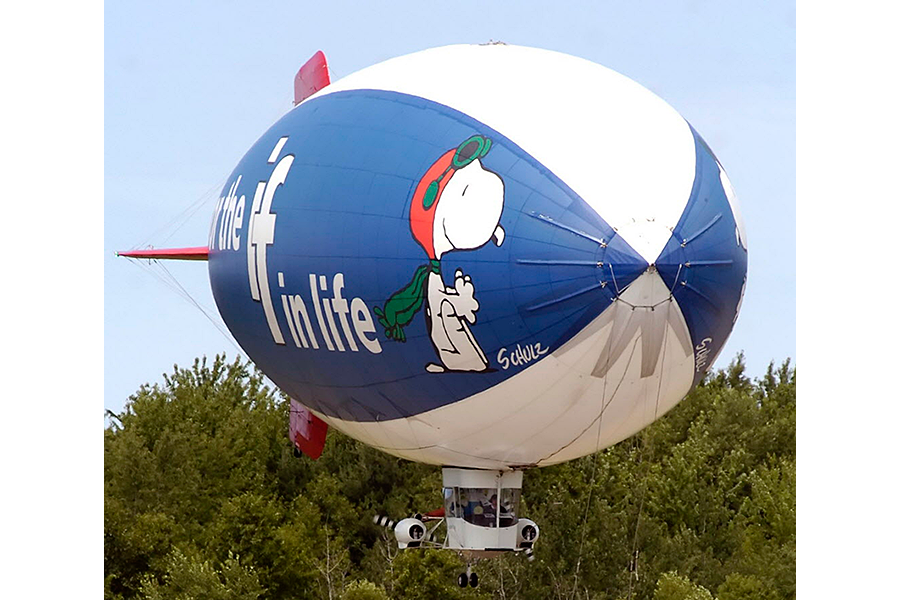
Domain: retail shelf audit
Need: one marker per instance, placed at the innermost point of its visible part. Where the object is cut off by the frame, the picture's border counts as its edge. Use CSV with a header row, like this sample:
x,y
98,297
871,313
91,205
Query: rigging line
x,y
604,405
147,268
590,498
166,281
179,290
564,297
193,207
637,521
615,283
646,469
187,217
662,360
587,509
187,294
675,281
199,306
550,221
702,230
645,306
636,525
178,217
203,310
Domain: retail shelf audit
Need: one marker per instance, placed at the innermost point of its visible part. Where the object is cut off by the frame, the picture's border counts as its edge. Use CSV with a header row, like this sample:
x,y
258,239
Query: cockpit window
x,y
479,506
509,506
451,503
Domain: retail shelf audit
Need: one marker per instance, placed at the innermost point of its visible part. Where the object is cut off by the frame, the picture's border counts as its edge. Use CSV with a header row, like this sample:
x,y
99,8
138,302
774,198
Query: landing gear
x,y
467,578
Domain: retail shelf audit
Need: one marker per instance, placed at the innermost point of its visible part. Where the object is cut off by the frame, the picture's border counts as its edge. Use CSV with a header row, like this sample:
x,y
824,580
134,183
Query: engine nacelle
x,y
527,533
409,533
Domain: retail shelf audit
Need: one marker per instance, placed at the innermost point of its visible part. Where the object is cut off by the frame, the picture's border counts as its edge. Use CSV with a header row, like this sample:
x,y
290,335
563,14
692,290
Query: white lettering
x,y
301,326
504,362
226,207
298,311
520,356
215,221
315,300
339,305
237,222
228,219
702,354
225,233
363,324
263,236
290,321
251,253
332,328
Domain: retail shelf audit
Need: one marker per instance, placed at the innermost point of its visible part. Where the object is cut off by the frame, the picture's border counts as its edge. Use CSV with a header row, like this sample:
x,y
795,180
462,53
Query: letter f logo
x,y
261,235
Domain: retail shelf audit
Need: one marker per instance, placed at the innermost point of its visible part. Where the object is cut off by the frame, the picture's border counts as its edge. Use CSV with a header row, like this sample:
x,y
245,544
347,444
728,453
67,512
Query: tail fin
x,y
307,430
198,253
312,77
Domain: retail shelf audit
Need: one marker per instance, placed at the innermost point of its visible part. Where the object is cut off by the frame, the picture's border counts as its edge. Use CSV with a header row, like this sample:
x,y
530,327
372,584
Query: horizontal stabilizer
x,y
437,513
307,430
311,78
199,253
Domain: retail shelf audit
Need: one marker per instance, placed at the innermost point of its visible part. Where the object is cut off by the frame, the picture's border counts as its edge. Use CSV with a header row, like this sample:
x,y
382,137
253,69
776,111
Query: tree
x,y
672,586
189,577
427,574
202,492
364,590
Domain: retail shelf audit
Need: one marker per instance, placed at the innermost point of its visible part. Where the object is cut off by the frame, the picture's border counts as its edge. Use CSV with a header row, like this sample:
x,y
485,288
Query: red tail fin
x,y
198,253
311,77
307,430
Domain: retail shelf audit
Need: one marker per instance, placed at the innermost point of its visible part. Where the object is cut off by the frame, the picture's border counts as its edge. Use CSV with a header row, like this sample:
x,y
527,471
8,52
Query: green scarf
x,y
403,305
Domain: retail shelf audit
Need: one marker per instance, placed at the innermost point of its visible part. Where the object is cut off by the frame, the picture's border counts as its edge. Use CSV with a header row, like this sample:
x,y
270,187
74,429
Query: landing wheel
x,y
463,580
473,580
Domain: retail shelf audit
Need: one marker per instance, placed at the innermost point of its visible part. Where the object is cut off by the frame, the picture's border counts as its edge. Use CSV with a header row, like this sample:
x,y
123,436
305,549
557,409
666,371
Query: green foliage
x,y
364,590
672,586
746,587
189,577
428,574
204,499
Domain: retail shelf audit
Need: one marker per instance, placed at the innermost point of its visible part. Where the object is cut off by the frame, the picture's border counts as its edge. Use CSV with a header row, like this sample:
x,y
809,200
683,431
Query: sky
x,y
190,87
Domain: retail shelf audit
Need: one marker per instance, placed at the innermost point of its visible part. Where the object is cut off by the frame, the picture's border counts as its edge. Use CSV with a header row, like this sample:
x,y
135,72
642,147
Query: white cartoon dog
x,y
456,206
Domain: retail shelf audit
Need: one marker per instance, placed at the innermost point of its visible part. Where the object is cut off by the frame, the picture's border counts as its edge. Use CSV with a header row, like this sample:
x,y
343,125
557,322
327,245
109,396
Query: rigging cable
x,y
167,278
206,312
173,284
179,220
634,551
587,509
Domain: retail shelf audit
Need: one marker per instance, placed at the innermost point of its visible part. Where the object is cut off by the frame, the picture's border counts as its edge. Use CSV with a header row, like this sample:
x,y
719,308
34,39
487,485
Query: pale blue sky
x,y
190,86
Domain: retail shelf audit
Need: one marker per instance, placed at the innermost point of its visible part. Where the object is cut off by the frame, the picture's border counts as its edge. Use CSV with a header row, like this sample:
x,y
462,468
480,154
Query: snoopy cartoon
x,y
456,206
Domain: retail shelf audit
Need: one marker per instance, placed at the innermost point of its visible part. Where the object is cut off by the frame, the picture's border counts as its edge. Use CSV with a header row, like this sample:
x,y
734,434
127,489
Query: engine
x,y
528,532
409,533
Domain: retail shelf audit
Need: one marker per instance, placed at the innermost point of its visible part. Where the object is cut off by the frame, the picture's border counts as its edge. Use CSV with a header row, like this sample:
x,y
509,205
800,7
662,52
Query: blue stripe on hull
x,y
344,209
704,263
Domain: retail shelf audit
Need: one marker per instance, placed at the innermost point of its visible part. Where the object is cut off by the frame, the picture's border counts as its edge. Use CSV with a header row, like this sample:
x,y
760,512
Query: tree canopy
x,y
204,498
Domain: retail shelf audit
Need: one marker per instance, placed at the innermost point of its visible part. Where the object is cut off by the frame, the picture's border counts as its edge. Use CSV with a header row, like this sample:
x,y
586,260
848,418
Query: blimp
x,y
490,258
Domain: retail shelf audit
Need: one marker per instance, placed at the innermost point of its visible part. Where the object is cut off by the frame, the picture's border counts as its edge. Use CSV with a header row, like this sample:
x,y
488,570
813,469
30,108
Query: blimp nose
x,y
571,266
568,267
646,235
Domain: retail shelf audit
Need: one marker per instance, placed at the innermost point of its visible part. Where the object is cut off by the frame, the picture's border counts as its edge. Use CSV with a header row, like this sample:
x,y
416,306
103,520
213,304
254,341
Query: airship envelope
x,y
483,256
